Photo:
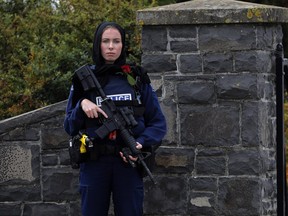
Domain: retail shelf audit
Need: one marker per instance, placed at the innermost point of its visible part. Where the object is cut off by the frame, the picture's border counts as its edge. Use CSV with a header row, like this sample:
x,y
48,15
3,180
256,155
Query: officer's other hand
x,y
91,109
138,146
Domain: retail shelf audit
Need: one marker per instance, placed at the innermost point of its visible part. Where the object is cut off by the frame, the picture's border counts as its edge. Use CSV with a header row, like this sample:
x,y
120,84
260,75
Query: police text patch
x,y
116,97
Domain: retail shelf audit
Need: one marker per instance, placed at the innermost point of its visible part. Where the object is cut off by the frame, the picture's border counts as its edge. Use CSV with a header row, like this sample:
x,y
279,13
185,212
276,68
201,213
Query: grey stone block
x,y
244,162
183,32
54,137
227,37
60,184
159,63
154,39
210,166
173,160
251,123
166,198
196,93
45,209
209,126
20,193
183,46
237,86
239,196
216,62
253,61
10,209
203,184
50,160
190,63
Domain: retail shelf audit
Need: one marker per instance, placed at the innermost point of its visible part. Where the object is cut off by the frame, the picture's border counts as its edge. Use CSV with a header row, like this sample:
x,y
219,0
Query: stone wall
x,y
35,175
214,61
212,65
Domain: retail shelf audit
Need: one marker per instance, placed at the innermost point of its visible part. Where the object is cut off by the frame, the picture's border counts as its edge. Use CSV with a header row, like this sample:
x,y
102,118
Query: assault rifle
x,y
119,119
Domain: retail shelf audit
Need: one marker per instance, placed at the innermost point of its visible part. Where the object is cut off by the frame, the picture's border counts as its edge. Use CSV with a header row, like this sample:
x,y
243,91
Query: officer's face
x,y
111,45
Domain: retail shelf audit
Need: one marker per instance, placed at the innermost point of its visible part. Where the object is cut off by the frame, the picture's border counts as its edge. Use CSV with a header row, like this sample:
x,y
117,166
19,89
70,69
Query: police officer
x,y
109,173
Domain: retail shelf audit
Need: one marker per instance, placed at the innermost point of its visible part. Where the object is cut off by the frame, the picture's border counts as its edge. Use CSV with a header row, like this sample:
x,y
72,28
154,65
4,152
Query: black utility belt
x,y
81,149
108,149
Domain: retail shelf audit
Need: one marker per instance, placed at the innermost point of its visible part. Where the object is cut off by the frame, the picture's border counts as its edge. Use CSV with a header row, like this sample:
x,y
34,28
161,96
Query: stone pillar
x,y
212,64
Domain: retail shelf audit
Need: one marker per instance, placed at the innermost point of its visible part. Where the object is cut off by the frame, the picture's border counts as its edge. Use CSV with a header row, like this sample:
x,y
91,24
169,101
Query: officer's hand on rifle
x,y
138,146
91,109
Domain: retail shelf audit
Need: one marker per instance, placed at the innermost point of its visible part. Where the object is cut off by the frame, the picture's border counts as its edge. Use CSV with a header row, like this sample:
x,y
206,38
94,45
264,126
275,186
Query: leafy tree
x,y
43,41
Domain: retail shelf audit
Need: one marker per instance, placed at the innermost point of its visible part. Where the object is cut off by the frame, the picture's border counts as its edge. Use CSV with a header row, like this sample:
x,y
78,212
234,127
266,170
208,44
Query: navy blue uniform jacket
x,y
151,126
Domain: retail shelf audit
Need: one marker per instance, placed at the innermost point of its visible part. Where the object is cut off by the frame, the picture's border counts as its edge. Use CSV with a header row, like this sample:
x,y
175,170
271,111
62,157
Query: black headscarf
x,y
102,70
97,57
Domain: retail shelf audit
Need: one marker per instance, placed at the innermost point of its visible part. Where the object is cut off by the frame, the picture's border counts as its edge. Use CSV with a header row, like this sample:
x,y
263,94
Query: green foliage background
x,y
43,41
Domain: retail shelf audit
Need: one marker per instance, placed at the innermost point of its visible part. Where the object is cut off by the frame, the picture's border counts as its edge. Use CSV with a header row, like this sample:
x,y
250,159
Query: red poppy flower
x,y
126,68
